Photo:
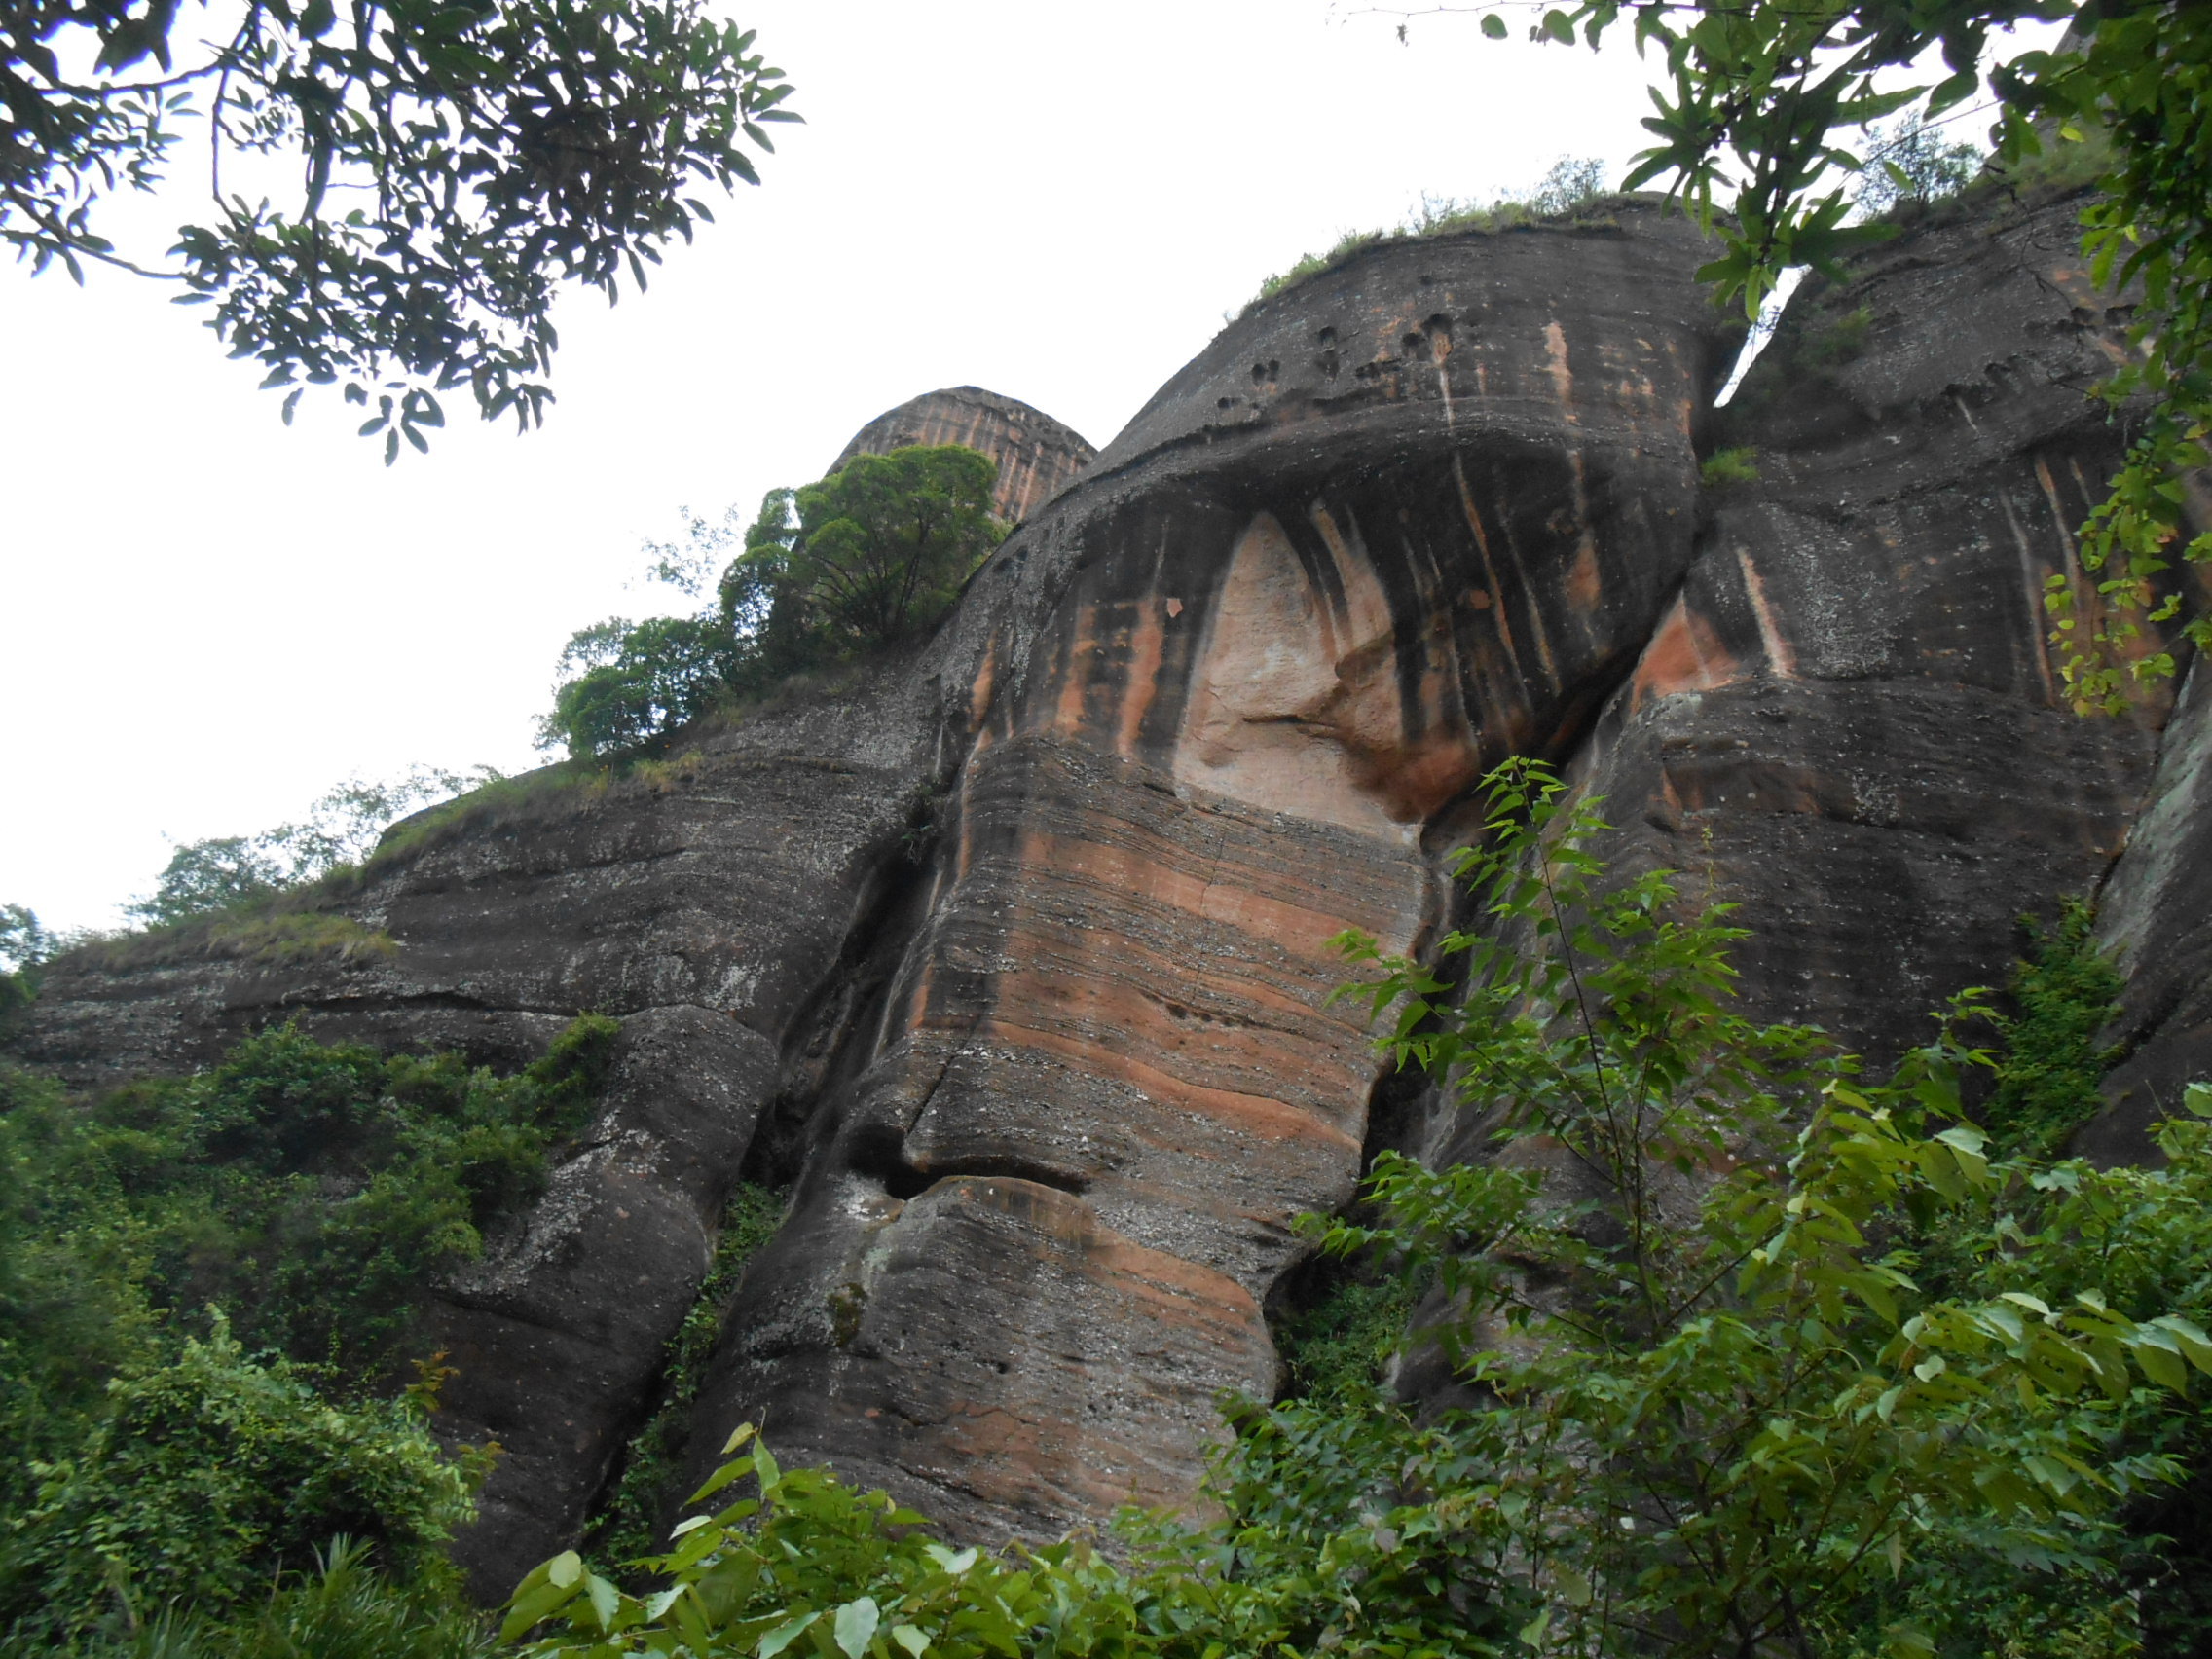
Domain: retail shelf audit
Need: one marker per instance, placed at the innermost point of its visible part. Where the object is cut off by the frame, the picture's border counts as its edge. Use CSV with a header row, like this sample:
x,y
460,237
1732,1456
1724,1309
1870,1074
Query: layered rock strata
x,y
1014,966
1037,456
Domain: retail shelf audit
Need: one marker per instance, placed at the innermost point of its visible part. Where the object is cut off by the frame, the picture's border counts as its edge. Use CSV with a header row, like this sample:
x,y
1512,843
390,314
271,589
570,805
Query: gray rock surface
x,y
1012,958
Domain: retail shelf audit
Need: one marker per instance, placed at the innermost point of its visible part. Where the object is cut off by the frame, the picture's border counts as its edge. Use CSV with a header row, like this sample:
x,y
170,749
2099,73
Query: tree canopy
x,y
829,572
342,828
456,161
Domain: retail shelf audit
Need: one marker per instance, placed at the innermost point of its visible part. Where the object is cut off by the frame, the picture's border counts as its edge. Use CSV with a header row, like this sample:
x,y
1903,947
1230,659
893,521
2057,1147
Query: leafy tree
x,y
458,161
626,682
1755,116
24,947
156,1448
868,557
214,875
878,550
343,828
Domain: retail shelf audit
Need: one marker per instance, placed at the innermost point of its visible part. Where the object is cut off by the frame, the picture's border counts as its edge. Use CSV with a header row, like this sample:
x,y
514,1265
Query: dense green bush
x,y
207,1474
310,1189
829,573
207,1285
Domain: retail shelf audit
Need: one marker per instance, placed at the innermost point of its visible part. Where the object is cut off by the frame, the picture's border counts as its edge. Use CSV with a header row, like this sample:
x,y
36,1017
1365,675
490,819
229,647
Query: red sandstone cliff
x,y
1013,963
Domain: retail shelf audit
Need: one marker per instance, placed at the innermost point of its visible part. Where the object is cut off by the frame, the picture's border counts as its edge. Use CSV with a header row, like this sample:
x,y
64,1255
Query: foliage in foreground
x,y
455,166
1757,1355
868,557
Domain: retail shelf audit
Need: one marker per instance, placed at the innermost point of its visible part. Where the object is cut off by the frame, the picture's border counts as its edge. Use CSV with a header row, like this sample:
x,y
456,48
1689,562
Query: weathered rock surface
x,y
2154,916
1850,714
1014,966
707,908
1038,457
1398,522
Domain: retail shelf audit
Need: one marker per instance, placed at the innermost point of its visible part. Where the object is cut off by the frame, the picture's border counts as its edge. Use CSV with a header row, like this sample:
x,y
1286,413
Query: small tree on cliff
x,y
866,557
876,551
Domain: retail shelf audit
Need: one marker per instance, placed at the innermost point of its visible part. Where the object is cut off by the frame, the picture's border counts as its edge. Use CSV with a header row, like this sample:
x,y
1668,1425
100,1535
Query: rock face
x,y
1014,966
1038,458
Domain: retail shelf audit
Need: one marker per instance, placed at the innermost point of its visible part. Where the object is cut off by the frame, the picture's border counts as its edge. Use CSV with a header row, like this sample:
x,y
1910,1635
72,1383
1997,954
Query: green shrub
x,y
310,1190
1729,467
207,1475
24,948
1337,1348
808,1565
2066,992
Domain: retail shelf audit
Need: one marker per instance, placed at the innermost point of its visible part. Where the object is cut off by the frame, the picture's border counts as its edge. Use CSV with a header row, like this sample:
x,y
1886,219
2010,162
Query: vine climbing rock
x,y
1011,964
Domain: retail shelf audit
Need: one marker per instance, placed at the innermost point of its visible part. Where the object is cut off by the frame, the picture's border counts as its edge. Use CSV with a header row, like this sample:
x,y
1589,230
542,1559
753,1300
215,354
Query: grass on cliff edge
x,y
1564,195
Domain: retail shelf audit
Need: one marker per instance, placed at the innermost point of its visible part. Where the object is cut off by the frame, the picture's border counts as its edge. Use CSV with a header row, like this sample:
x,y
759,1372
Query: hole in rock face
x,y
1414,344
877,1153
1258,374
1326,337
1225,403
1439,329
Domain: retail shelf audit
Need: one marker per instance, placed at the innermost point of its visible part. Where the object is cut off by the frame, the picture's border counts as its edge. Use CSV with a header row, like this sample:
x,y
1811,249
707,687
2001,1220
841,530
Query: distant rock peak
x,y
1038,455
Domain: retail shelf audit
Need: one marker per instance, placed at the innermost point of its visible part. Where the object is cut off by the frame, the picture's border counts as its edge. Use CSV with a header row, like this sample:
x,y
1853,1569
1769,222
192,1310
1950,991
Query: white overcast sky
x,y
210,618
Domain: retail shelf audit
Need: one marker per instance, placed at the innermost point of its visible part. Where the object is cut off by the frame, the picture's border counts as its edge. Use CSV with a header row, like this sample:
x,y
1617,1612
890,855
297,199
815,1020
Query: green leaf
x,y
1493,25
856,1625
604,1600
2161,1365
783,1635
911,1639
2195,1344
